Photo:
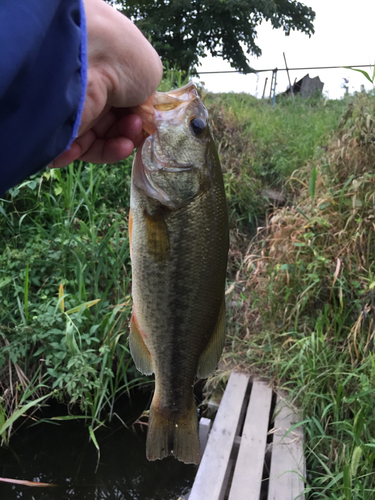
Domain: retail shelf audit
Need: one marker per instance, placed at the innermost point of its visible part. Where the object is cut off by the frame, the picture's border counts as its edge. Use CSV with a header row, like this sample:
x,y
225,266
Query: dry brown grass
x,y
313,253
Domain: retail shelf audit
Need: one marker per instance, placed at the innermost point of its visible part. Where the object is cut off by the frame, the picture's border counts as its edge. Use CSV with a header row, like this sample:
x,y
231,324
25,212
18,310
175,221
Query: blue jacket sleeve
x,y
43,75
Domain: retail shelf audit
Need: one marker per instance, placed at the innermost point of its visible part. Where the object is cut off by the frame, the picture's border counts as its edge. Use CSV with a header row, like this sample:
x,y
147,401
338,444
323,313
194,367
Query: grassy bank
x,y
302,306
260,146
301,279
65,292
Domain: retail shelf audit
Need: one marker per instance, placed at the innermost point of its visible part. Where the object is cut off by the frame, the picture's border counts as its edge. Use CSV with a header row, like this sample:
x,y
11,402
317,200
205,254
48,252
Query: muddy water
x,y
61,454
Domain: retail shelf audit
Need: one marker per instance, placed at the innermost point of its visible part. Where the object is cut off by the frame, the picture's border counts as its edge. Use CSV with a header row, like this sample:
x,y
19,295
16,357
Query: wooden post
x,y
274,87
204,430
271,84
264,89
287,70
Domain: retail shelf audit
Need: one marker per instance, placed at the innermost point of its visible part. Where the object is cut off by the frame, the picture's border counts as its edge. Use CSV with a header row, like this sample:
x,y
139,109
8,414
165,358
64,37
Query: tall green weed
x,y
260,146
302,309
65,280
308,314
64,287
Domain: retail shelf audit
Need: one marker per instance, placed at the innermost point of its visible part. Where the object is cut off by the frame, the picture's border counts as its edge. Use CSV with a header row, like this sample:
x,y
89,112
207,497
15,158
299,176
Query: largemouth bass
x,y
178,228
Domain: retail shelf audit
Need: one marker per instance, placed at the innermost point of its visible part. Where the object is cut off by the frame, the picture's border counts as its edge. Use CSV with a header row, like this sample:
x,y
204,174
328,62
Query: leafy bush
x,y
64,287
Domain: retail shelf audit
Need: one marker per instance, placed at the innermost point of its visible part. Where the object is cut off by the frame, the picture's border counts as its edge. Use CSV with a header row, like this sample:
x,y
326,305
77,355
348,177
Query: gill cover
x,y
170,164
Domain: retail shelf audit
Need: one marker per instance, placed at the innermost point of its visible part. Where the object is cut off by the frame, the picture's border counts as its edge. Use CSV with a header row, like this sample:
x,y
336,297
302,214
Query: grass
x,y
65,299
261,146
302,309
64,288
301,278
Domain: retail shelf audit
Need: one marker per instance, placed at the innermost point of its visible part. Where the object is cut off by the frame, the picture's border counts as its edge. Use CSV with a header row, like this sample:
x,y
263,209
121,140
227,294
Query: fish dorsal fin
x,y
210,356
141,355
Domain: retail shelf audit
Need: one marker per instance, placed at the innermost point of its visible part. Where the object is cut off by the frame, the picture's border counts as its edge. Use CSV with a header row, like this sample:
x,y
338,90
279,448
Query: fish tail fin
x,y
177,437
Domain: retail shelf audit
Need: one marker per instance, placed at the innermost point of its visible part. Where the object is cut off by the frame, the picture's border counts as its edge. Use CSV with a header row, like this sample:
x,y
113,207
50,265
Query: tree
x,y
182,30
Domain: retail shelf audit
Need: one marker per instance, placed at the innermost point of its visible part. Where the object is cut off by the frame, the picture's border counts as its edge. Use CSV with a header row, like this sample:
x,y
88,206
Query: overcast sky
x,y
344,36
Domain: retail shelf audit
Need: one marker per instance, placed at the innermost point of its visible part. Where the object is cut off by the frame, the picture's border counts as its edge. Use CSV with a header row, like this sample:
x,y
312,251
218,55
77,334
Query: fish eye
x,y
197,125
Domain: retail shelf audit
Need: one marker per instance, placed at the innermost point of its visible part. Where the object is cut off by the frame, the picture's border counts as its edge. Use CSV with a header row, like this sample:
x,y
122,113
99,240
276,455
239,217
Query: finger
x,y
112,125
131,127
104,124
77,148
120,139
67,157
108,150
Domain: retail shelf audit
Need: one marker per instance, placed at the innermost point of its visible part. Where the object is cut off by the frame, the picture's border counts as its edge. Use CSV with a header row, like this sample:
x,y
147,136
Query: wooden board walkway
x,y
249,454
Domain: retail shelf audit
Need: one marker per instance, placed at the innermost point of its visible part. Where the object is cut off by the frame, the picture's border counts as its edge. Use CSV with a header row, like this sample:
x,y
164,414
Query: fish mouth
x,y
164,101
160,103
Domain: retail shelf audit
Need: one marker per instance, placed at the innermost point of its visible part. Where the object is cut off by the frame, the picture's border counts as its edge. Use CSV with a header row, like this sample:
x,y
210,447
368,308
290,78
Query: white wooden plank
x,y
287,460
204,430
208,484
247,478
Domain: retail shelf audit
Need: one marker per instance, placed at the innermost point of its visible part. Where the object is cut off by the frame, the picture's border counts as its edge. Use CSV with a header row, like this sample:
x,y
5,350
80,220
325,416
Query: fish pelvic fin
x,y
177,437
209,358
141,355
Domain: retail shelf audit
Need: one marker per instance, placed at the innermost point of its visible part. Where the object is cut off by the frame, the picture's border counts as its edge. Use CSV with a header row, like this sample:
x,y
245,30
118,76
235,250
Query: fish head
x,y
171,165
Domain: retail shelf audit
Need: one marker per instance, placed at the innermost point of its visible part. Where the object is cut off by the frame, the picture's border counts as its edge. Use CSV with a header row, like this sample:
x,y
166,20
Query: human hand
x,y
123,71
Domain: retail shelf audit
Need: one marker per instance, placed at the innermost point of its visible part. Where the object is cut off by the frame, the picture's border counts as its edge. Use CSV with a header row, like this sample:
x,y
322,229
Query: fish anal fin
x,y
210,356
176,436
141,355
157,238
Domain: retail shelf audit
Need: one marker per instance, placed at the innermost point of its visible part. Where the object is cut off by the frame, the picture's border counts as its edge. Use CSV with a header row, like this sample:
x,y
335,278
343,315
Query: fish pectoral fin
x,y
157,238
210,356
141,355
